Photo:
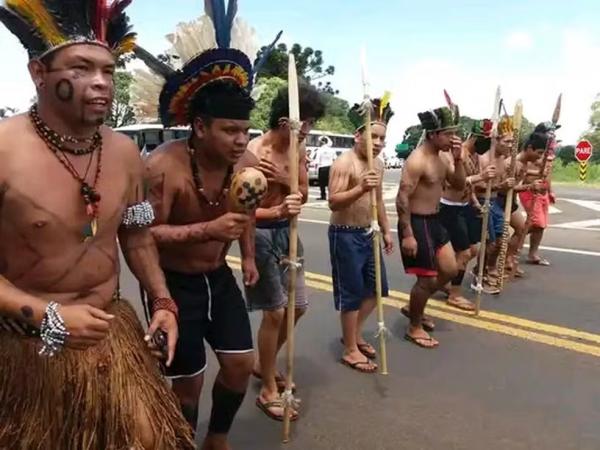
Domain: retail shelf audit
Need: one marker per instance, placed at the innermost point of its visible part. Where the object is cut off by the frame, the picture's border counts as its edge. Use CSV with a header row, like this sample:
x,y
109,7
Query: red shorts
x,y
537,206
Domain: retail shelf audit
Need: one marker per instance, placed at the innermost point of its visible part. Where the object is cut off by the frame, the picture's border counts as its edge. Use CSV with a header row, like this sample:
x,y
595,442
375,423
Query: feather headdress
x,y
216,46
44,26
381,111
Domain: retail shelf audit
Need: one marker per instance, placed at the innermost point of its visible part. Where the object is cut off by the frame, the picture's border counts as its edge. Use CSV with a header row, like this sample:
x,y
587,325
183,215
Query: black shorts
x,y
431,236
474,224
454,220
211,308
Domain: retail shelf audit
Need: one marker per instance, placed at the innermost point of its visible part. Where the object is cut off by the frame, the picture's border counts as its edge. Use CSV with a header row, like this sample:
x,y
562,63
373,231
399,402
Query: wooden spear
x,y
381,329
294,125
517,120
486,205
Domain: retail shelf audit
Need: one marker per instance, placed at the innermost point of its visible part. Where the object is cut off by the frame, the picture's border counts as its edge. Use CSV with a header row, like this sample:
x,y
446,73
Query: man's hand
x,y
166,322
291,206
489,173
87,325
409,246
229,227
388,243
552,198
538,186
249,271
510,182
369,180
456,148
273,173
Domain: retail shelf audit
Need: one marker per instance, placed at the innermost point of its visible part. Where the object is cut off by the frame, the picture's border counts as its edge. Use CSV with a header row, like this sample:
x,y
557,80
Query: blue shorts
x,y
353,267
495,220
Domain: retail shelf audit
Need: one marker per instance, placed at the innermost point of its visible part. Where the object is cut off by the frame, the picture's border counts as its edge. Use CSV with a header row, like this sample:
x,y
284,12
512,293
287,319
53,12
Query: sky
x,y
533,49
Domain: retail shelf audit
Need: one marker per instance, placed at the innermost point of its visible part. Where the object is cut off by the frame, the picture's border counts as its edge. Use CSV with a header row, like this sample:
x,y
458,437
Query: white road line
x,y
550,249
579,225
588,204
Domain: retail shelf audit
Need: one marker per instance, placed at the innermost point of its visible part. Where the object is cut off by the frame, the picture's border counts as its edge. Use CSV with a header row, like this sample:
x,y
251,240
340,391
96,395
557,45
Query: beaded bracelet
x,y
138,216
53,331
167,304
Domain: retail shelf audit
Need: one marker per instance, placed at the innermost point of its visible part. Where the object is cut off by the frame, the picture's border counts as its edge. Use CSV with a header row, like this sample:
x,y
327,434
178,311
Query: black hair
x,y
311,105
537,141
221,99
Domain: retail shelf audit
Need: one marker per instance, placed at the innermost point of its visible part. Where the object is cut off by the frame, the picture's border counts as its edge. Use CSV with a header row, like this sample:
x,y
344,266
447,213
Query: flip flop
x,y
264,407
463,305
356,366
538,262
418,341
426,322
364,349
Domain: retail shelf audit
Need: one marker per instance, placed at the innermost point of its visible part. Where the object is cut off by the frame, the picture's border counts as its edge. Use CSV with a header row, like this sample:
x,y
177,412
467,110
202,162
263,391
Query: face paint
x,y
64,90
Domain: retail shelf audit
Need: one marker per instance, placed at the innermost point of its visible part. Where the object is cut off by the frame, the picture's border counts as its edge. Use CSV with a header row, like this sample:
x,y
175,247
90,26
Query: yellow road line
x,y
509,325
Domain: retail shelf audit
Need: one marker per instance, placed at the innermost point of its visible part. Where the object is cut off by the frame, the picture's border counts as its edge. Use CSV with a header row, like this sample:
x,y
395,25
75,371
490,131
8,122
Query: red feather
x,y
100,19
448,99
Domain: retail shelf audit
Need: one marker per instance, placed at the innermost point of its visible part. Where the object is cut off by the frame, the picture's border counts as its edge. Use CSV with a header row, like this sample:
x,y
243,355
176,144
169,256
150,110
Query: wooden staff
x,y
542,176
486,205
381,329
517,120
294,125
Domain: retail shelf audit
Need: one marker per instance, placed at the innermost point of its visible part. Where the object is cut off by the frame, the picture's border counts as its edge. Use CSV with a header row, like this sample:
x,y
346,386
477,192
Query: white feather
x,y
192,38
145,92
243,38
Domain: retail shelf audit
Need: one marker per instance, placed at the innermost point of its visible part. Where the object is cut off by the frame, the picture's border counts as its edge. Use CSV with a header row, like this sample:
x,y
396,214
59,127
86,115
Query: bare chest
x,y
434,174
44,201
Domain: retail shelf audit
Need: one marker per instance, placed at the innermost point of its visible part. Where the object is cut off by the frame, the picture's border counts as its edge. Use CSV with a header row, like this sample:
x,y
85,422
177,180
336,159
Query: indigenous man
x,y
426,250
534,191
350,236
272,240
459,217
537,202
500,184
194,229
76,372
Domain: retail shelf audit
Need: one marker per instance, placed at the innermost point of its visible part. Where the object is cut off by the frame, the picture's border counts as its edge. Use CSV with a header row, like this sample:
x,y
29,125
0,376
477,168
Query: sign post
x,y
583,152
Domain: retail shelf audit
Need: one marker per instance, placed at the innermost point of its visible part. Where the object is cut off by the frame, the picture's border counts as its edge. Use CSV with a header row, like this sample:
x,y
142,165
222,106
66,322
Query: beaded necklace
x,y
59,141
90,195
198,181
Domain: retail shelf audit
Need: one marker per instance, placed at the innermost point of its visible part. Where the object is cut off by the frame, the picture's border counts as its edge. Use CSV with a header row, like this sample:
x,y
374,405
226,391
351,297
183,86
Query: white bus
x,y
339,142
149,136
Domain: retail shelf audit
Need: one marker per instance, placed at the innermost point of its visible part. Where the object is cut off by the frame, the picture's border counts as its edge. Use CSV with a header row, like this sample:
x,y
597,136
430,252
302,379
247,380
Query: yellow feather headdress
x,y
44,26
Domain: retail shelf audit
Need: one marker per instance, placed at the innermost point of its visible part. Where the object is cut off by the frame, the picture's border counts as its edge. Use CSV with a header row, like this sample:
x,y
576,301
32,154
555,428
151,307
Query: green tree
x,y
336,109
593,132
566,154
309,64
336,115
268,88
121,112
7,111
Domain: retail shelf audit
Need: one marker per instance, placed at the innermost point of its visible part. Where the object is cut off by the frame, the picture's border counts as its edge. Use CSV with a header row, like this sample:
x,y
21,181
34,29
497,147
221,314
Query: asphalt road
x,y
524,375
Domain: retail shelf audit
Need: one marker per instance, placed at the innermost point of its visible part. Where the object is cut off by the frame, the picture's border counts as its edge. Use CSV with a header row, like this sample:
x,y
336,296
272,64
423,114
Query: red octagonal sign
x,y
583,151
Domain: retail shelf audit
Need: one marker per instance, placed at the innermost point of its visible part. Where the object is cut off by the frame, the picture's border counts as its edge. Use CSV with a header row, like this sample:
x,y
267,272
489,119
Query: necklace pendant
x,y
90,229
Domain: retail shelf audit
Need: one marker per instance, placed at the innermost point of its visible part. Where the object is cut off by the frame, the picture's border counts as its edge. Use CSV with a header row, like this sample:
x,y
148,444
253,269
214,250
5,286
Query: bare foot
x,y
216,442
